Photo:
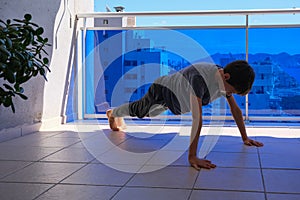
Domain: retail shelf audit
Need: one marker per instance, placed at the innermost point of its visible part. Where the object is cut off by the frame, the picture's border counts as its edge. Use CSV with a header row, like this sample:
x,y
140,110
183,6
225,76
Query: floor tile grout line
x,y
64,162
44,192
34,162
193,187
31,163
156,187
262,175
286,169
60,149
23,136
293,193
228,190
216,151
60,181
150,187
144,187
105,151
116,193
133,175
33,183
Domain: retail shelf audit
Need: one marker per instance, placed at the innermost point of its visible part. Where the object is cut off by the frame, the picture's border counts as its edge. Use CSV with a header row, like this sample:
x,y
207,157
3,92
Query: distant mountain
x,y
282,59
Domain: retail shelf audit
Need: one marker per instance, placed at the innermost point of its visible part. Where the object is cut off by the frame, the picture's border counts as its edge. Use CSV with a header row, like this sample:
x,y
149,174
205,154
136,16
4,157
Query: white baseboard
x,y
52,123
47,124
14,132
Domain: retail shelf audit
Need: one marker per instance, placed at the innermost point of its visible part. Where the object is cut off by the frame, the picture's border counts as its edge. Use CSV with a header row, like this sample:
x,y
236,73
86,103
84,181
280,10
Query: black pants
x,y
150,105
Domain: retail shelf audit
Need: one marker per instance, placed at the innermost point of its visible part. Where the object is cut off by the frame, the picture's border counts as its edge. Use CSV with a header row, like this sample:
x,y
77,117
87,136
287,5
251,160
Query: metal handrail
x,y
190,13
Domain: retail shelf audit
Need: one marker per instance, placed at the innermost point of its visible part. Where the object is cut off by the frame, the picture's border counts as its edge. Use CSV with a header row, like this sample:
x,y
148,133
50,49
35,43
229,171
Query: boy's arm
x,y
238,118
196,108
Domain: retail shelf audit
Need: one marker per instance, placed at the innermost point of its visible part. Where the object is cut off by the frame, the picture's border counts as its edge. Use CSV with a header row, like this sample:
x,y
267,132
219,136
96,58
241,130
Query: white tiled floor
x,y
88,161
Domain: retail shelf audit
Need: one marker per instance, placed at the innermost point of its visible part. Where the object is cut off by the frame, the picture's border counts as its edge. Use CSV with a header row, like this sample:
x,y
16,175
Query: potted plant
x,y
22,57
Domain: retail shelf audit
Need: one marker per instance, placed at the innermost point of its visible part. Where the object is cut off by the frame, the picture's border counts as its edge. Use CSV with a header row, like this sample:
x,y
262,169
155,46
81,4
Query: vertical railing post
x,y
80,72
247,57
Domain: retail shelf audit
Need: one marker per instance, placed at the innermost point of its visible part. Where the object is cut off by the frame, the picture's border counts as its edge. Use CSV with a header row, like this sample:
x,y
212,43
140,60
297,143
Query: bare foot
x,y
111,121
200,163
120,123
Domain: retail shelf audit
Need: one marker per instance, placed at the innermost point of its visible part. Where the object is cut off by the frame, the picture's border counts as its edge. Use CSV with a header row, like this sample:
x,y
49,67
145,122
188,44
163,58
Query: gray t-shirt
x,y
198,79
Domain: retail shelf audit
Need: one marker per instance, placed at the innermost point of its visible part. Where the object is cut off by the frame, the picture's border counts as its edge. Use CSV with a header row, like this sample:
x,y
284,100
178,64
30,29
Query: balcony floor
x,y
88,161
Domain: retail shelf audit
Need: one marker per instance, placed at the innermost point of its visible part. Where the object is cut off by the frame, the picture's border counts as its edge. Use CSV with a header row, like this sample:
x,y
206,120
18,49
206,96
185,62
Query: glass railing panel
x,y
121,64
274,19
275,55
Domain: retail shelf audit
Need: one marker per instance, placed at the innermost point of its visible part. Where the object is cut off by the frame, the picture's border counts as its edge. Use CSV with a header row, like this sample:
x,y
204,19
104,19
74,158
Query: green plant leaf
x,y
45,61
17,87
37,63
24,79
28,27
29,63
27,17
22,51
2,22
10,76
45,52
15,64
8,43
42,71
21,90
2,91
4,50
39,31
2,65
33,24
47,68
20,56
8,87
12,107
8,101
13,28
22,96
34,73
39,38
18,20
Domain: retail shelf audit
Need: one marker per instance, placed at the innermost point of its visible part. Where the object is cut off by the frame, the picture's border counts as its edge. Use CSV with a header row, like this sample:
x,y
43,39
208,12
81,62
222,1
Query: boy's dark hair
x,y
241,76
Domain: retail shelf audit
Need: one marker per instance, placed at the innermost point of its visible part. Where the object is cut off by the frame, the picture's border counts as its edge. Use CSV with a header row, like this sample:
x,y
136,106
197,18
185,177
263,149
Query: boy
x,y
188,90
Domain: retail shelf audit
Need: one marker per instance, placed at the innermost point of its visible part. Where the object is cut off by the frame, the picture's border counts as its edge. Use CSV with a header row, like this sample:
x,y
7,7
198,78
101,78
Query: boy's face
x,y
229,89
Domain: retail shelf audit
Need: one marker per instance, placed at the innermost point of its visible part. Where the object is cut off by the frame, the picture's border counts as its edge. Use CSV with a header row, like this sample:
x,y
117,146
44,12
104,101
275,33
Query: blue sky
x,y
172,5
181,5
176,5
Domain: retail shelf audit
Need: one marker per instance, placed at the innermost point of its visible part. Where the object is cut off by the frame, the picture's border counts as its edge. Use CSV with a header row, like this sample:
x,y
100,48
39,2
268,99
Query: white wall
x,y
45,98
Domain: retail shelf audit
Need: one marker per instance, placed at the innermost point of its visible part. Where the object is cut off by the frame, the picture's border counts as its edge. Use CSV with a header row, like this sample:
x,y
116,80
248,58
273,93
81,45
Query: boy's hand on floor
x,y
200,163
250,142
